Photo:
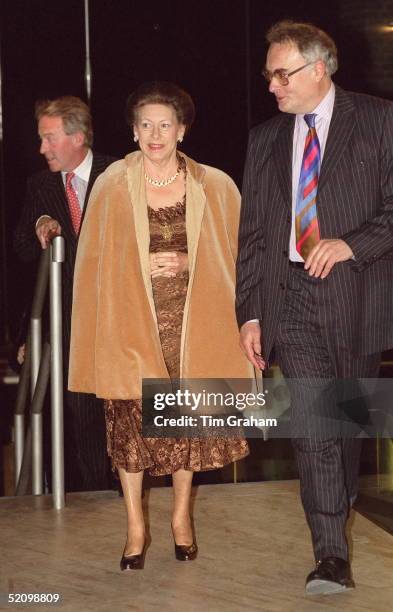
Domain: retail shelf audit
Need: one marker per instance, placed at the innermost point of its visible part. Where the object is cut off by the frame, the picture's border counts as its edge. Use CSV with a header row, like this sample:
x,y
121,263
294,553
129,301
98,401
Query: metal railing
x,y
43,361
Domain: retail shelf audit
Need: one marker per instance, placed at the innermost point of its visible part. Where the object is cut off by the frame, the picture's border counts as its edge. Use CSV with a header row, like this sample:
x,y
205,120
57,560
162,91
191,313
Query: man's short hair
x,y
74,113
314,44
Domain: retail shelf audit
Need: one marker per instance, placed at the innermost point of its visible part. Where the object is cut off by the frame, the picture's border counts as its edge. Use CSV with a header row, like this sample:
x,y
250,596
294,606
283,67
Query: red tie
x,y
73,203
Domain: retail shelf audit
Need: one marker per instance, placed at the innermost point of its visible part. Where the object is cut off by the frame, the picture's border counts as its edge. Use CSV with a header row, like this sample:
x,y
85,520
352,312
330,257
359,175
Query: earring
x,y
180,139
135,138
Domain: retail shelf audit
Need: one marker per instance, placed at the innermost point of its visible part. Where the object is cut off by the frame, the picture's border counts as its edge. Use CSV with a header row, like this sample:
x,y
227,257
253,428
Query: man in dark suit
x,y
315,267
56,201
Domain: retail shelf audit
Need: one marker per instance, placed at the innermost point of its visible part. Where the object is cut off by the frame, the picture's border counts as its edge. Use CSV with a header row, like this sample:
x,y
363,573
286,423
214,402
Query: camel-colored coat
x,y
115,341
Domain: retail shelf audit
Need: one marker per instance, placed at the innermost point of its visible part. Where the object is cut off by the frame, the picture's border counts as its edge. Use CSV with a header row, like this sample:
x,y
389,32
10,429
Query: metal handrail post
x,y
37,419
37,454
19,439
36,317
57,258
36,354
87,58
19,415
36,340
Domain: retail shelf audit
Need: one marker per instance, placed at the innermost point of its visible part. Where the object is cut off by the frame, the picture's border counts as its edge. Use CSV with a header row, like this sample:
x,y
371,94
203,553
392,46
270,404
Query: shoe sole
x,y
326,587
191,557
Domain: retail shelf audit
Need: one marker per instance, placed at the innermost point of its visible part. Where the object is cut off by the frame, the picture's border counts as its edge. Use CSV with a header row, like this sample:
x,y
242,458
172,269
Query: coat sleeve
x,y
86,293
249,259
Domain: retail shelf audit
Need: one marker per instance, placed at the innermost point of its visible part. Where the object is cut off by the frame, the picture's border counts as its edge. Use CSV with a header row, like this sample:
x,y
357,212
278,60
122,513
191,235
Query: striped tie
x,y
307,228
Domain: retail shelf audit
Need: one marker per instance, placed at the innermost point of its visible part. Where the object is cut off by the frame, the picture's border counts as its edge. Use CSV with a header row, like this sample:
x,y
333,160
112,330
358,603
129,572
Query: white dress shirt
x,y
81,178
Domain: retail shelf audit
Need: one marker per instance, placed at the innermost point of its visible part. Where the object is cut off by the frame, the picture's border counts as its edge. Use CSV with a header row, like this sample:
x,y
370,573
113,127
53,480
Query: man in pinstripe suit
x,y
325,313
65,130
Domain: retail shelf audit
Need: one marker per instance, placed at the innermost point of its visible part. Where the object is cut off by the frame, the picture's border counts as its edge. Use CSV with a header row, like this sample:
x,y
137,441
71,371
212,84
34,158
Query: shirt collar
x,y
83,170
324,110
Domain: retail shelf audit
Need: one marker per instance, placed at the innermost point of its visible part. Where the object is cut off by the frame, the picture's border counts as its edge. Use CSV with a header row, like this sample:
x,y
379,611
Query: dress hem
x,y
184,466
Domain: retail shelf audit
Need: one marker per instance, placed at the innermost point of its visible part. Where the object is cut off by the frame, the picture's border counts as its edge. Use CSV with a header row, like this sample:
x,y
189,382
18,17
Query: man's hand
x,y
168,263
324,255
250,343
46,229
21,354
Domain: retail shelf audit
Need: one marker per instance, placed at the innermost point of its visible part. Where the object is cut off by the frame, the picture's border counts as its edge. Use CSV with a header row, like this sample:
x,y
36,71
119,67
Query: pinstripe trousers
x,y
320,372
87,466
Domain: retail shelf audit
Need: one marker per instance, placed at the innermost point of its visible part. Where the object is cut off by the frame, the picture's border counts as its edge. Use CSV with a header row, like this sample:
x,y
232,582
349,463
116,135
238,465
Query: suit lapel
x,y
340,129
61,205
282,150
96,169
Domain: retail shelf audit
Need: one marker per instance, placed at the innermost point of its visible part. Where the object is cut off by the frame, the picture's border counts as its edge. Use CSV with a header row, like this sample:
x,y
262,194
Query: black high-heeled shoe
x,y
186,553
133,562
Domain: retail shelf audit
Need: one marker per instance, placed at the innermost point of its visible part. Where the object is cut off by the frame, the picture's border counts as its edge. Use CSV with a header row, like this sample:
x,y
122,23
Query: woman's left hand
x,y
168,263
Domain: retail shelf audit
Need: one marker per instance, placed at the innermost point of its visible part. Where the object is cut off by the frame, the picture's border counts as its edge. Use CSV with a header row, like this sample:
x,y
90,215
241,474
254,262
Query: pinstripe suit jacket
x,y
45,195
355,203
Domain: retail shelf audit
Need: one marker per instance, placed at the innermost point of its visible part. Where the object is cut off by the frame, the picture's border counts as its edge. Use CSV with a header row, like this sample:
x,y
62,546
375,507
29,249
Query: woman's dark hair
x,y
161,92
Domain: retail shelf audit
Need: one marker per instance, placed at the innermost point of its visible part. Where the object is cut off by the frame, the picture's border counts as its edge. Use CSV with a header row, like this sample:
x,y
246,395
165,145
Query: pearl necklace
x,y
162,182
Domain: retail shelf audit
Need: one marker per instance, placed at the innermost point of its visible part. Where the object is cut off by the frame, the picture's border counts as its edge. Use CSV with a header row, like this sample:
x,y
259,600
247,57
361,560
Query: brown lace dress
x,y
126,446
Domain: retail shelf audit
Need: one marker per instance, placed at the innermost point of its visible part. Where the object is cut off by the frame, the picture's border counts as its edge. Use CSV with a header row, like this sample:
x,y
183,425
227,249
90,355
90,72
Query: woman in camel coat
x,y
154,298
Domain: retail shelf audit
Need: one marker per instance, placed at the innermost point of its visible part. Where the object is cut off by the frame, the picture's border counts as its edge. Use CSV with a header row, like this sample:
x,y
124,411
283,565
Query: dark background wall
x,y
213,48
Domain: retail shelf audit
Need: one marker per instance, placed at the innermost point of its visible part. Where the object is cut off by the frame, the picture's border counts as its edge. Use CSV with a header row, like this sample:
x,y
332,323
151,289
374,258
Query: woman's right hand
x,y
168,264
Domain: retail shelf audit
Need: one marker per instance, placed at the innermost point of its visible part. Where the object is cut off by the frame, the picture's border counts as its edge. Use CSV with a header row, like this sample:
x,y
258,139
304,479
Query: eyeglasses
x,y
282,75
